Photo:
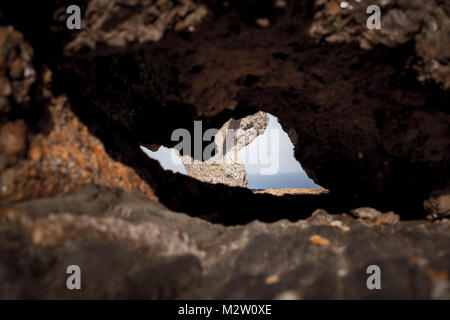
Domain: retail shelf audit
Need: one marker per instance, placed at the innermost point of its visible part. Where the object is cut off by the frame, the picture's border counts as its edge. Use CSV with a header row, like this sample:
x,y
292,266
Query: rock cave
x,y
367,111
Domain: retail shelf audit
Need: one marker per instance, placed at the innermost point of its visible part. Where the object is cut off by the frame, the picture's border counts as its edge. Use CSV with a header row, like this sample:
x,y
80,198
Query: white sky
x,y
279,147
167,159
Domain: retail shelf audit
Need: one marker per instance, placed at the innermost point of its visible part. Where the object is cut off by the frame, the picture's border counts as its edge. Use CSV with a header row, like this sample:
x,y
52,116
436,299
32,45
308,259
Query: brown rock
x,y
139,242
374,217
59,154
225,166
316,239
121,23
438,204
13,137
17,73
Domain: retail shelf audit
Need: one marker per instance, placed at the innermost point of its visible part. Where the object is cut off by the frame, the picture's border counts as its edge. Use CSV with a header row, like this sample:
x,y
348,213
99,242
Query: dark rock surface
x,y
362,121
129,247
367,111
365,122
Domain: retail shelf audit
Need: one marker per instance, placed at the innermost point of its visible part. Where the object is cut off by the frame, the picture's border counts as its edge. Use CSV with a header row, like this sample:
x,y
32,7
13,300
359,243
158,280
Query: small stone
x,y
288,295
280,4
438,204
36,236
372,216
366,213
13,137
340,225
35,153
263,22
316,239
344,5
272,279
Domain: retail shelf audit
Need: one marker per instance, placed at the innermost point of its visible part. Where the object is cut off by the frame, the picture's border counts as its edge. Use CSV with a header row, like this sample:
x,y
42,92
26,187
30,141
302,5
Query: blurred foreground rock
x,y
130,247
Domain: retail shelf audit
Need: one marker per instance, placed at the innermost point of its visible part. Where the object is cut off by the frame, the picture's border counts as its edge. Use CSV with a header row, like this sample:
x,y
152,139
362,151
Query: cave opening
x,y
167,158
275,166
267,158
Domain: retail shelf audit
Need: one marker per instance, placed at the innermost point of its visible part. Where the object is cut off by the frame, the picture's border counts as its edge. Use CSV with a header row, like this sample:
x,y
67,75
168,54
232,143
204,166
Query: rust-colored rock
x,y
34,161
63,159
13,142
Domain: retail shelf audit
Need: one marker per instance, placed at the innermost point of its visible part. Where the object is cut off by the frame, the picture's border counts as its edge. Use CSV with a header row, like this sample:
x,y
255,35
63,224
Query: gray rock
x,y
225,166
130,247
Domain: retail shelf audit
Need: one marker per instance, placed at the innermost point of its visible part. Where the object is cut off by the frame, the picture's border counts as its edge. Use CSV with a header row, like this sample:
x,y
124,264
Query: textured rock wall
x,y
426,25
364,121
225,166
367,112
44,148
129,247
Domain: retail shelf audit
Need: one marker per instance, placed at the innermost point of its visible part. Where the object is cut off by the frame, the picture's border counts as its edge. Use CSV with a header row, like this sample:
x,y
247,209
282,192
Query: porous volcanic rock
x,y
119,23
365,121
427,25
368,121
130,247
367,112
226,166
44,148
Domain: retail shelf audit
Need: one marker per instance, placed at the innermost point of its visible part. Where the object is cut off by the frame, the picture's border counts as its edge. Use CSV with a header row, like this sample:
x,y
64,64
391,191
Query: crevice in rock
x,y
368,130
270,163
314,120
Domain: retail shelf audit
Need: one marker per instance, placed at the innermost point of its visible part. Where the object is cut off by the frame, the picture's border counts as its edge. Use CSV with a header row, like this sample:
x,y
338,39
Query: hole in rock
x,y
268,160
167,158
270,163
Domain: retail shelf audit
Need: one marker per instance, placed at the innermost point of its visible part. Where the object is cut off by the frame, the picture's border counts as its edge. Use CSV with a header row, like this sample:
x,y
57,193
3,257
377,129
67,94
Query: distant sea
x,y
280,181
